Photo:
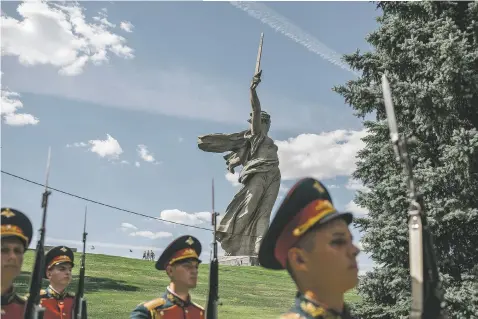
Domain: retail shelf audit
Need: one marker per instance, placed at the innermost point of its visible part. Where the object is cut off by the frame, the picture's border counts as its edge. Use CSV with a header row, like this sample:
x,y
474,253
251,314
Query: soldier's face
x,y
185,274
332,261
60,275
12,258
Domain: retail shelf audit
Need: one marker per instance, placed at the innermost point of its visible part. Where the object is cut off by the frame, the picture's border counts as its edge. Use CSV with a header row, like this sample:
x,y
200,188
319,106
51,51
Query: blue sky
x,y
158,74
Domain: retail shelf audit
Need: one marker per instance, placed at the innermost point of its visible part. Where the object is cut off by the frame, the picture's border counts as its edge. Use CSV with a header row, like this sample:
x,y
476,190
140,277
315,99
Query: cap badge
x,y
7,213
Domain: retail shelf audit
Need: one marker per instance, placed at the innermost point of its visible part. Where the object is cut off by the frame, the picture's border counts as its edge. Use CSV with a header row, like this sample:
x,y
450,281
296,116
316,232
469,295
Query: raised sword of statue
x,y
427,293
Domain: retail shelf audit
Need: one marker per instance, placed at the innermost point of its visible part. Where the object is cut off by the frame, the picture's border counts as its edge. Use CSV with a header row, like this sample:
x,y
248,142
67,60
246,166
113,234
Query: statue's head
x,y
265,121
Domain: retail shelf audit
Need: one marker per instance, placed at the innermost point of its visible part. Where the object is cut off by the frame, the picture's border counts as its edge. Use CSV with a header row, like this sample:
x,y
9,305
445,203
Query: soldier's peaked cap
x,y
182,248
307,204
58,255
16,224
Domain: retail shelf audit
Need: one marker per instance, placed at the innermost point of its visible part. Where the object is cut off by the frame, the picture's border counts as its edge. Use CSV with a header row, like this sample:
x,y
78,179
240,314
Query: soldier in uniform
x,y
16,234
181,261
58,303
312,240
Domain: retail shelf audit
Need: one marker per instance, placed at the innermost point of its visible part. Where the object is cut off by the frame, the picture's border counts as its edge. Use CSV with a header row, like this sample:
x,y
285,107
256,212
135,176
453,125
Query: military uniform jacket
x,y
12,305
305,308
57,306
169,306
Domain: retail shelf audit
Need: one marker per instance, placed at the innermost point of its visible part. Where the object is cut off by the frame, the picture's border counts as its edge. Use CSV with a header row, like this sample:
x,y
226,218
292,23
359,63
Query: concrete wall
x,y
239,260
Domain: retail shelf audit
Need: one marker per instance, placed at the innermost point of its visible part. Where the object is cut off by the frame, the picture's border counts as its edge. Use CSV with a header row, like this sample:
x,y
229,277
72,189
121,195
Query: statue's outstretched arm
x,y
256,104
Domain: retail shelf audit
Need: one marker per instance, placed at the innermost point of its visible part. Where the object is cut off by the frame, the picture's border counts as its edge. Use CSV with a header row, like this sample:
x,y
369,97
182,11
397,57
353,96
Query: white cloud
x,y
128,227
150,234
77,144
145,155
137,164
233,178
10,103
133,231
177,216
59,35
102,18
359,245
126,26
180,139
356,185
106,148
356,209
322,156
109,148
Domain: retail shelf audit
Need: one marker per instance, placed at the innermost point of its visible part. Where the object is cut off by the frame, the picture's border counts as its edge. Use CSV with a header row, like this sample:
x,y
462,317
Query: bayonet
x,y
213,296
80,302
427,295
33,310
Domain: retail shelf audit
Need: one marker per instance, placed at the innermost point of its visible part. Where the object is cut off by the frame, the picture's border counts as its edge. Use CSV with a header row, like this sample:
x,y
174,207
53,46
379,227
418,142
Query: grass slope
x,y
115,285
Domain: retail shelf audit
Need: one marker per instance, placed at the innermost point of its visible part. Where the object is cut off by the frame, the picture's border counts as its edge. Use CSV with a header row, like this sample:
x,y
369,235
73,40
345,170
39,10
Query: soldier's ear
x,y
169,271
297,258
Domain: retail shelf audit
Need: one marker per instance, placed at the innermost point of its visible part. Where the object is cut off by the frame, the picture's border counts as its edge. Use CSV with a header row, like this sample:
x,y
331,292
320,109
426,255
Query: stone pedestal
x,y
239,260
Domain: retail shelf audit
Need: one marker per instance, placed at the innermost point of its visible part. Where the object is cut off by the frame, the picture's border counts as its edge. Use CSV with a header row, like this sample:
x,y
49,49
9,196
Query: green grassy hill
x,y
115,285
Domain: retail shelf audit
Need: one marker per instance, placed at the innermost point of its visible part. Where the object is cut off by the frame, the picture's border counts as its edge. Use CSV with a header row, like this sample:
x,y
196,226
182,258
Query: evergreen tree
x,y
430,53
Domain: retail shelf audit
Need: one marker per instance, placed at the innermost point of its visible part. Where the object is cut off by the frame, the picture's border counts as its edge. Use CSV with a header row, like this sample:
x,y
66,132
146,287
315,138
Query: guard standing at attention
x,y
312,240
181,261
58,303
16,234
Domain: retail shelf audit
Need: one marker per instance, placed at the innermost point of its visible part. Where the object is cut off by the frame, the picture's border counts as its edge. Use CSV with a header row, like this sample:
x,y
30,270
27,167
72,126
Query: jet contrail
x,y
281,24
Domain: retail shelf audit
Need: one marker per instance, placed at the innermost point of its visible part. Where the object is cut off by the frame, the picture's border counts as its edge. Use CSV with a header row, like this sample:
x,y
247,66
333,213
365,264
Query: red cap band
x,y
59,259
183,254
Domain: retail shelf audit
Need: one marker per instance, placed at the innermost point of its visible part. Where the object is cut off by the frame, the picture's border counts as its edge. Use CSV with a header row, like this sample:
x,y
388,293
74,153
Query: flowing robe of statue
x,y
248,214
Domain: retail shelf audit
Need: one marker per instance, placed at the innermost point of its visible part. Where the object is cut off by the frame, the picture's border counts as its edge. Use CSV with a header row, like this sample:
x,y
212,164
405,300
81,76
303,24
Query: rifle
x,y
33,310
80,302
427,292
213,296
